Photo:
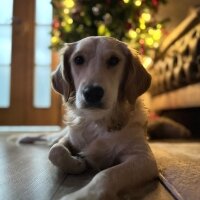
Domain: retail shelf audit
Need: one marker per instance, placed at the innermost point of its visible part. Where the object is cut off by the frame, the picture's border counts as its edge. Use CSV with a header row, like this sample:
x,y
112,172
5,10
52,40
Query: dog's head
x,y
99,72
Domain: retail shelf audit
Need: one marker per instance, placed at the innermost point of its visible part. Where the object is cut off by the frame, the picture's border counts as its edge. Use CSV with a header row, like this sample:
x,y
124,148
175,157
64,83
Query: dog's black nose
x,y
93,94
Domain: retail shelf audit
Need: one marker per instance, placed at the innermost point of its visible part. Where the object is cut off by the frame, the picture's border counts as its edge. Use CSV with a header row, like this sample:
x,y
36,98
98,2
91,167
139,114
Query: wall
x,y
177,10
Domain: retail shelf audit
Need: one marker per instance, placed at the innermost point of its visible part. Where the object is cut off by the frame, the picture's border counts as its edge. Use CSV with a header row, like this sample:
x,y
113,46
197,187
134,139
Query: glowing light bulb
x,y
138,30
151,31
142,35
159,26
138,3
156,45
63,24
126,1
101,29
69,3
142,26
108,34
69,20
146,17
66,11
157,34
132,34
54,40
149,41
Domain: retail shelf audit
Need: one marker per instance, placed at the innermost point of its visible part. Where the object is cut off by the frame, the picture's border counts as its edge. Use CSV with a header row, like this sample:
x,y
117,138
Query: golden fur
x,y
110,138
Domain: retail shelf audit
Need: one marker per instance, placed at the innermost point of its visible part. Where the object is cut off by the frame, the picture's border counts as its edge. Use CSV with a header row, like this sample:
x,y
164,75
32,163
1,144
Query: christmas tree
x,y
131,21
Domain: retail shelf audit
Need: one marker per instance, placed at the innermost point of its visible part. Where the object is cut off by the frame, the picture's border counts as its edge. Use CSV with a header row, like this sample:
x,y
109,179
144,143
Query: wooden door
x,y
23,106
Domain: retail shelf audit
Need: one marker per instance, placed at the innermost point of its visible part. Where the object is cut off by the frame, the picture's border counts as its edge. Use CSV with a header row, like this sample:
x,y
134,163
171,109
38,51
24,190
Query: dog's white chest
x,y
96,144
83,136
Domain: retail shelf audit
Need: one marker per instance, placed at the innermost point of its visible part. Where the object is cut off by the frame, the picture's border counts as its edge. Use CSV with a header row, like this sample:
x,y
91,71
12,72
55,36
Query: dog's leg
x,y
165,128
114,182
61,157
47,138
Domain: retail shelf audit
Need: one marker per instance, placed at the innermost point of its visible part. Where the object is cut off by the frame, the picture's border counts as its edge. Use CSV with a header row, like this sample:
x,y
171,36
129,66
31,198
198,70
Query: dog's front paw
x,y
60,156
58,153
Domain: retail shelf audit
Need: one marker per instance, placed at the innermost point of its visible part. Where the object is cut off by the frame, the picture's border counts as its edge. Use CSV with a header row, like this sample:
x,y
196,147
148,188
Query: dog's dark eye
x,y
112,61
79,60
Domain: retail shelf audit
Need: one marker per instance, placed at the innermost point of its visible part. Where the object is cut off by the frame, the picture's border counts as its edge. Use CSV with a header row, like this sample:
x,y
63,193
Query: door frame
x,y
21,110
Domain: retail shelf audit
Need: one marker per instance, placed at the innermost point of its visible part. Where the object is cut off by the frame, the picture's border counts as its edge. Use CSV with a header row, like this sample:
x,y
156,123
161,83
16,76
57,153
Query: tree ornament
x,y
155,2
96,9
56,24
107,18
75,13
128,26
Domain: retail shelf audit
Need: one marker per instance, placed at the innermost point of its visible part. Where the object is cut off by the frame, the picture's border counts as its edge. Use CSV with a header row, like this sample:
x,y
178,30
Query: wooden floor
x,y
26,174
179,164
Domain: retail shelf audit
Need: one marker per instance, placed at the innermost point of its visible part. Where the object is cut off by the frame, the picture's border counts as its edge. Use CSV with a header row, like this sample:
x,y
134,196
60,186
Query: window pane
x,y
6,9
4,86
42,87
5,44
42,43
43,12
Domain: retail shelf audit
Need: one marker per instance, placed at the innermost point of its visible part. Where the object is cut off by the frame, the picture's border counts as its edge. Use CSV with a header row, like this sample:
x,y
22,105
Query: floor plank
x,y
179,163
26,174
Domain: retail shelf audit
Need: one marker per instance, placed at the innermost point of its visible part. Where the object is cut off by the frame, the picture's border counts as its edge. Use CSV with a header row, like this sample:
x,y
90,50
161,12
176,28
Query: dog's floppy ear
x,y
137,79
61,78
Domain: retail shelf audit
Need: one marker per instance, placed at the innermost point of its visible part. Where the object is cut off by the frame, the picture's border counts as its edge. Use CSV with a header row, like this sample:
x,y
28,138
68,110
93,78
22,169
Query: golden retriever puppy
x,y
101,79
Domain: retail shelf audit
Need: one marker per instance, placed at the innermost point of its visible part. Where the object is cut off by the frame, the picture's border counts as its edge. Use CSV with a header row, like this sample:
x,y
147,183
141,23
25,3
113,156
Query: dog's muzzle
x,y
93,95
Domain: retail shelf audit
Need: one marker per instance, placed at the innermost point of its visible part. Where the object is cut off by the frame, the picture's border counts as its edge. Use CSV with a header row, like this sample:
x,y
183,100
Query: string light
x,y
138,3
138,30
146,17
66,11
101,29
156,45
132,34
142,35
69,20
149,41
151,31
159,26
141,32
63,23
142,26
157,35
69,3
54,40
126,1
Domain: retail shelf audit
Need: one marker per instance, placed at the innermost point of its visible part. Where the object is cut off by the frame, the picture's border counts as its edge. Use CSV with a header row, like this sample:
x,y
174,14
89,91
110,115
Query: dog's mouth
x,y
93,112
94,106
